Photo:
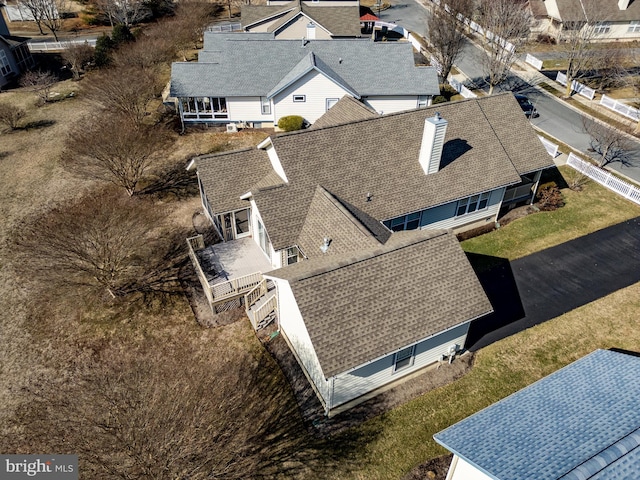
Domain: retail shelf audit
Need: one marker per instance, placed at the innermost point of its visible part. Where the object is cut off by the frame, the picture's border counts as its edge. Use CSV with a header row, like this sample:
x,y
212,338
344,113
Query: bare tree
x,y
446,35
47,13
125,12
11,116
40,82
77,55
127,91
103,243
608,143
503,21
151,410
580,26
115,149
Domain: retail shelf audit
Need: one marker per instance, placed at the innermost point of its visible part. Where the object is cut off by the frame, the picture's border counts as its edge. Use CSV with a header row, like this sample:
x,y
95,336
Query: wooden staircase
x,y
261,304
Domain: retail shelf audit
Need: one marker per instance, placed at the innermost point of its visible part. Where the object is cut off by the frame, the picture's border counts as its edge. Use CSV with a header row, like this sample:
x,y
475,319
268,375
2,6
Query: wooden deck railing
x,y
235,287
262,312
251,297
194,244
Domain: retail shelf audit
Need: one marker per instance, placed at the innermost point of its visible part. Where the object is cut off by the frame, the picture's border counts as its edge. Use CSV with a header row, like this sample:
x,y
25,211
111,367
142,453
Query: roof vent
x,y
369,196
435,129
304,42
326,241
340,60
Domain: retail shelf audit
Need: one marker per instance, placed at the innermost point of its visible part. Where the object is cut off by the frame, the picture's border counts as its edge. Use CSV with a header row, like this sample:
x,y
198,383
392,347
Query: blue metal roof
x,y
579,423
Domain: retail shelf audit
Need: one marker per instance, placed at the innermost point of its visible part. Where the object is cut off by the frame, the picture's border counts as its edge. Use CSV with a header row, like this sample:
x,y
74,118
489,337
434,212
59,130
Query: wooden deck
x,y
236,258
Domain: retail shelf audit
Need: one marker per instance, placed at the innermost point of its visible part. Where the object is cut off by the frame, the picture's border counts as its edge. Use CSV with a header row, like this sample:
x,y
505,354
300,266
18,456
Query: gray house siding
x,y
351,385
444,216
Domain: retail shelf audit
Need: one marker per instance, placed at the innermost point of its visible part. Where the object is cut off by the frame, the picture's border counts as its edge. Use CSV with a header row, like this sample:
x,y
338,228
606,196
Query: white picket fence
x,y
621,108
226,27
579,88
552,148
460,88
57,46
605,178
533,61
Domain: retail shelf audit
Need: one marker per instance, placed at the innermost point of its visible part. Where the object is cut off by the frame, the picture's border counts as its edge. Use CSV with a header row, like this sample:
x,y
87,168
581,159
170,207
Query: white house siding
x,y
444,216
462,470
297,29
619,31
317,89
246,109
348,386
275,257
292,325
391,104
318,3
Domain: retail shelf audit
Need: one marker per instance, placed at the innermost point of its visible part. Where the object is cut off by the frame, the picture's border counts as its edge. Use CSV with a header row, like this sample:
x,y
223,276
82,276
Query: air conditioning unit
x,y
232,128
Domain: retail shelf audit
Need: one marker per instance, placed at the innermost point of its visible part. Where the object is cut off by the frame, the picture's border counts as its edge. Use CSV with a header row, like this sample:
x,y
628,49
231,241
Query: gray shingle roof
x,y
380,156
231,65
340,21
347,110
581,422
603,10
357,308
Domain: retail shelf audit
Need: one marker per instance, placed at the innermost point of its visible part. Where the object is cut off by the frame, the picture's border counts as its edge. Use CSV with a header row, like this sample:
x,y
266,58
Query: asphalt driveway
x,y
542,286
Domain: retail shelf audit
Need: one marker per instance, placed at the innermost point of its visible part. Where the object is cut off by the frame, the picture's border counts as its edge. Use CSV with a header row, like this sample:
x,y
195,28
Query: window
x,y
5,67
204,107
331,102
472,204
299,98
406,222
602,28
423,101
404,358
265,105
292,255
634,26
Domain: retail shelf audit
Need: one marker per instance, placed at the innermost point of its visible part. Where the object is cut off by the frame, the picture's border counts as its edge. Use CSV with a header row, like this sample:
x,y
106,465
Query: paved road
x,y
407,13
544,285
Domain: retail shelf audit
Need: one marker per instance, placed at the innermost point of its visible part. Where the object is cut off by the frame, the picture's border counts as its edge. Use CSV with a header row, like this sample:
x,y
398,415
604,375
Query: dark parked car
x,y
527,107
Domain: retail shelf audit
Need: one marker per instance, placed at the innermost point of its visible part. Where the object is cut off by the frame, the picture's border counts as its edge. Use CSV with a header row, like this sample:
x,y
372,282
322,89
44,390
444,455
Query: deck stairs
x,y
261,304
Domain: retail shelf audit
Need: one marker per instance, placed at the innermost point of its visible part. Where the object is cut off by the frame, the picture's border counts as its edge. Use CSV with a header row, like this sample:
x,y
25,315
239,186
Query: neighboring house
x,y
359,304
250,78
15,56
296,20
579,423
320,3
612,19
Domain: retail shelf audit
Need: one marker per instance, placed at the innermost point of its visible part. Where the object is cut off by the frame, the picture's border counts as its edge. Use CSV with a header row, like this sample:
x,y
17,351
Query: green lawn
x,y
394,443
592,209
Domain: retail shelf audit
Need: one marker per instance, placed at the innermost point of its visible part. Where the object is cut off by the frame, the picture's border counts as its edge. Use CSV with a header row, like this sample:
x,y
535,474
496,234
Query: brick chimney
x,y
435,129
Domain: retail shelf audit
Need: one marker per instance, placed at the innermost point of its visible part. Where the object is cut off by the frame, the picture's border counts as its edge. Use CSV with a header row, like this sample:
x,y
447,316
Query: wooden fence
x,y
621,108
605,178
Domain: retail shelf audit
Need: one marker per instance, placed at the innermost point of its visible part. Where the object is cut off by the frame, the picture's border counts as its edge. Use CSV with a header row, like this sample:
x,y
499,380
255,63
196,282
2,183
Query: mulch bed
x,y
434,469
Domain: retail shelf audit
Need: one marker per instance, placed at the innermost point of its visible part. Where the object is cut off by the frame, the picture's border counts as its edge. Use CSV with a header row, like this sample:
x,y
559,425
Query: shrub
x,y
102,52
121,34
290,123
549,197
447,91
10,116
439,99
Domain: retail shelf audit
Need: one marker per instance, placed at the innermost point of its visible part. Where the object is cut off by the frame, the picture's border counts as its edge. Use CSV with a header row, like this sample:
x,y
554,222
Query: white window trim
x,y
331,100
409,353
602,28
265,106
5,66
423,101
299,98
634,26
206,113
482,197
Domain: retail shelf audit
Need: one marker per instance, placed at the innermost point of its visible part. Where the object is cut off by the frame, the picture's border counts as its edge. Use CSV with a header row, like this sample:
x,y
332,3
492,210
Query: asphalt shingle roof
x,y
357,308
232,65
489,143
581,422
340,21
602,10
347,110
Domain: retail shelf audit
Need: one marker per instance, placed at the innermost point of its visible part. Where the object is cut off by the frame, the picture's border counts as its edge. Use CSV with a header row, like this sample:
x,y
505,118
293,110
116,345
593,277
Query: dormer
x,y
435,129
267,145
